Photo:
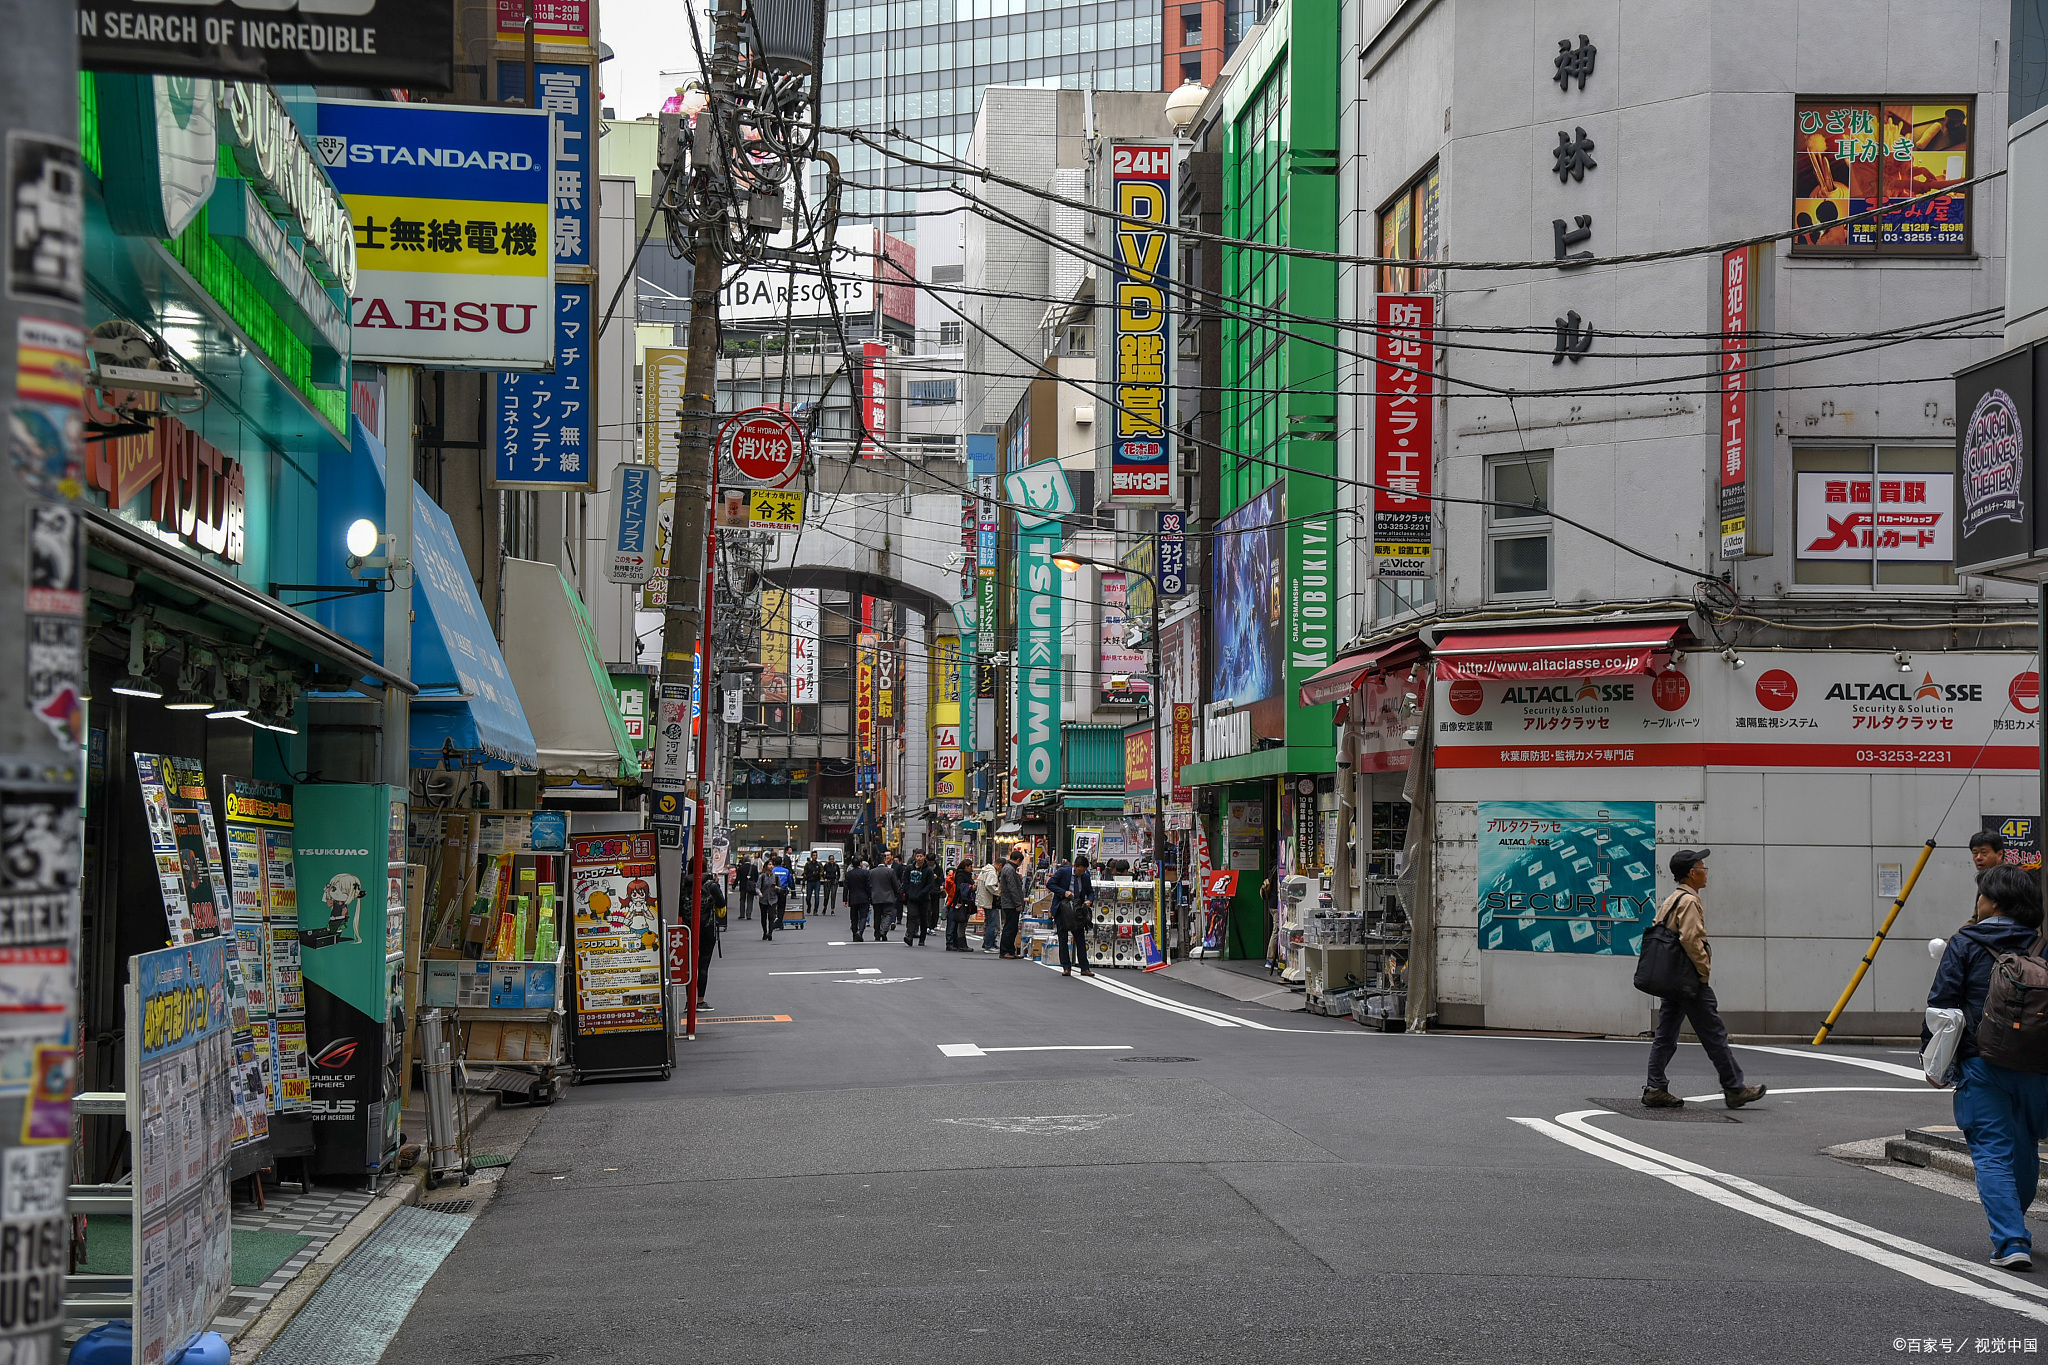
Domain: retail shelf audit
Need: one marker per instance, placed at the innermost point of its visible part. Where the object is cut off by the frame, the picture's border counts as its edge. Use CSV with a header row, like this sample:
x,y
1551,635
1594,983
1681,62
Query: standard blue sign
x,y
543,426
427,151
564,91
1173,554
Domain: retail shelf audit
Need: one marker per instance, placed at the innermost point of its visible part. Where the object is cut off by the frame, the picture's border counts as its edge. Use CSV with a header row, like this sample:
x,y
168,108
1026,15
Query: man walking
x,y
920,898
885,890
832,871
959,904
747,878
1012,897
1073,910
859,882
775,887
988,892
707,937
1683,911
814,884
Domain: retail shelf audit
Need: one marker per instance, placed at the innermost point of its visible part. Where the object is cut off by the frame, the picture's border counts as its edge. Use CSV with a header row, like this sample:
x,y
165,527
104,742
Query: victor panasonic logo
x,y
1994,463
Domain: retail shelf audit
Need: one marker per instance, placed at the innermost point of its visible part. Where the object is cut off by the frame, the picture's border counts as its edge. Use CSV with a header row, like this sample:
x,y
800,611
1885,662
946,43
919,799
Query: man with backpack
x,y
1683,912
1989,969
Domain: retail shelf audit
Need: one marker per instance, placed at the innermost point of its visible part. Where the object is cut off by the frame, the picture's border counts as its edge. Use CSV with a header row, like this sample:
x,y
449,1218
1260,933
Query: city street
x,y
1208,1181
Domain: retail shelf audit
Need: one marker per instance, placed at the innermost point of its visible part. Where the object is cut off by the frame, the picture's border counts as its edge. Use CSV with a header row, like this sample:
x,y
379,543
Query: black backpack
x,y
1665,968
2014,1030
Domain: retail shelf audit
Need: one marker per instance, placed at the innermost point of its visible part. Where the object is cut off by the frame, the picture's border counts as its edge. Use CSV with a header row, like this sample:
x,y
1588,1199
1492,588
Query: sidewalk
x,y
1238,980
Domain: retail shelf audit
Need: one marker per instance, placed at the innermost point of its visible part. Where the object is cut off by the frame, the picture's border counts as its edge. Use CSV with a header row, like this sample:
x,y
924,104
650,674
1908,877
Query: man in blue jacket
x,y
2003,1113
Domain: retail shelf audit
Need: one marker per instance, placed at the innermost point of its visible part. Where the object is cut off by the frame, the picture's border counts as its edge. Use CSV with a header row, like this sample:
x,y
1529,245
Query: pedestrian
x,y
707,932
959,905
775,888
814,884
2003,1113
748,878
832,871
1684,912
920,888
859,882
1987,849
885,890
1073,912
988,893
1011,876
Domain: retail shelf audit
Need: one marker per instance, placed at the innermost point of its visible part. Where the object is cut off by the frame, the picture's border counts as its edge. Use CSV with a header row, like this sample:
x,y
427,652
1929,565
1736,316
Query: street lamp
x,y
1070,563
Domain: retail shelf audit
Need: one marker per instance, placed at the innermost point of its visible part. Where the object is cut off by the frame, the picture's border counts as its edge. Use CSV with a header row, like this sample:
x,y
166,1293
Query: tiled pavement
x,y
319,1213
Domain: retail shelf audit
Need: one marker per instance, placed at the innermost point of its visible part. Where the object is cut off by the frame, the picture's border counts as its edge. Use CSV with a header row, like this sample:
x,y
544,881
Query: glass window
x,y
1518,535
1853,158
1869,515
1410,231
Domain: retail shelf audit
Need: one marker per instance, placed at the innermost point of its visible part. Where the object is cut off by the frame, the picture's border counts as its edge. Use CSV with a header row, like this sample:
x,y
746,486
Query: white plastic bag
x,y
1938,1060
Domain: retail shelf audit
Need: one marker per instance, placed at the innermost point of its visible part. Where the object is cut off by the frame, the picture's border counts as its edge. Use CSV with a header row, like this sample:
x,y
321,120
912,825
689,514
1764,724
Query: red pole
x,y
703,749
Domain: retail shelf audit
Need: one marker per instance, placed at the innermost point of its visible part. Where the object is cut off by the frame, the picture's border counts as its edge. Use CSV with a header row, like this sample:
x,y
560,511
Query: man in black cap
x,y
1683,912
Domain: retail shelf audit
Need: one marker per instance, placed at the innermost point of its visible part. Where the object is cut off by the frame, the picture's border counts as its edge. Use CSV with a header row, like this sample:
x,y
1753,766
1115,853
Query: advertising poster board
x,y
1245,568
181,1110
619,1012
1567,876
455,251
257,819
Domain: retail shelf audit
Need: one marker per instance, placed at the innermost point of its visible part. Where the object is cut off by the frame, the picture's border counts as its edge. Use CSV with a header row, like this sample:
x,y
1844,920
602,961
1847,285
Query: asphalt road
x,y
1283,1188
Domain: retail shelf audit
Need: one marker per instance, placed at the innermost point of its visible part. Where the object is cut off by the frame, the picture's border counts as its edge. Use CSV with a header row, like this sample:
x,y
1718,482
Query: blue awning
x,y
467,703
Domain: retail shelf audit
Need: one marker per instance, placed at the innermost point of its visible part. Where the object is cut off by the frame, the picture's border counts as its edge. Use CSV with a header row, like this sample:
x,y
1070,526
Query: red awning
x,y
1563,652
1336,682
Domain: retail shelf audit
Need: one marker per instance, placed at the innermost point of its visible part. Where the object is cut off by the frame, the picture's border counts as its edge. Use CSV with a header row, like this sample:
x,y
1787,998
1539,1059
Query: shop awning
x,y
1335,682
551,649
1092,802
467,707
1562,652
1261,763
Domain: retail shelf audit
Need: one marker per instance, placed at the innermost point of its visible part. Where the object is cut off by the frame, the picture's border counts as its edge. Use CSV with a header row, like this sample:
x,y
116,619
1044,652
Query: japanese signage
x,y
1040,686
760,448
1141,452
617,933
803,646
1173,554
1403,434
543,426
948,776
663,370
256,820
554,21
364,42
1567,876
181,1109
1852,158
761,509
1183,748
864,708
985,528
1994,461
1735,329
453,231
673,756
874,399
633,526
1119,662
1138,758
195,491
562,90
1804,710
1890,516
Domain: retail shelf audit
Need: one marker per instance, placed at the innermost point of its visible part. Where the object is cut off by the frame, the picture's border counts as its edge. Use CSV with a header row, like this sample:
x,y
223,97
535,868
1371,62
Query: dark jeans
x,y
707,944
1073,927
991,927
1703,1012
831,896
771,917
1010,922
956,925
857,912
747,899
814,895
924,918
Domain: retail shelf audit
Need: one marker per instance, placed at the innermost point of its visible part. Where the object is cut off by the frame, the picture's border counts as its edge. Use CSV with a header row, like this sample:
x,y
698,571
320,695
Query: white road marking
x,y
1827,1090
1932,1267
1869,1063
1039,1123
877,980
979,1050
1207,1016
835,971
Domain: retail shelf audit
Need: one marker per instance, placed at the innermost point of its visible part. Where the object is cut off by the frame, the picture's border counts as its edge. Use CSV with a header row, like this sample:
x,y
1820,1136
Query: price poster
x,y
264,882
617,934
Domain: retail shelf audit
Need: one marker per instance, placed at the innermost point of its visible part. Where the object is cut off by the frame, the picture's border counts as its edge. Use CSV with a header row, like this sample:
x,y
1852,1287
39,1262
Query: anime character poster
x,y
1245,586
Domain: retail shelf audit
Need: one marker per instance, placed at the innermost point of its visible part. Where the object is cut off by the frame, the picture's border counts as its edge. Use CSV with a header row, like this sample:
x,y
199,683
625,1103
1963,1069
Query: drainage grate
x,y
487,1159
522,1360
450,1206
1159,1059
353,1316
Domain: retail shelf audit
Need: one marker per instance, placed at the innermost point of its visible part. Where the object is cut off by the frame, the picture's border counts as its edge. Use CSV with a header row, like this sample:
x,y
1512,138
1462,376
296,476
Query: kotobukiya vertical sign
x,y
1141,178
1403,434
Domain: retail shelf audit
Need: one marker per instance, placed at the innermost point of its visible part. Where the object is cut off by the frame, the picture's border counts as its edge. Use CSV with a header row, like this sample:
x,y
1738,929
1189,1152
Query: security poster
x,y
1567,876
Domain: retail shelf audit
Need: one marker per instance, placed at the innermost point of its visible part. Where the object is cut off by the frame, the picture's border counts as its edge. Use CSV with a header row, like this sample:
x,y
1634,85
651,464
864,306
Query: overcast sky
x,y
649,36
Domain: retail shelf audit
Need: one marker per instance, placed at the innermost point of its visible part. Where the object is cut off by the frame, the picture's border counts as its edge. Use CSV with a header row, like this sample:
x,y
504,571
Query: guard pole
x,y
1871,952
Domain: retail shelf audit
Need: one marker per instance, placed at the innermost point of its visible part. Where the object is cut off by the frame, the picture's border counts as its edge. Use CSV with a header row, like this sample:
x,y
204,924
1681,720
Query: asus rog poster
x,y
352,1013
1245,571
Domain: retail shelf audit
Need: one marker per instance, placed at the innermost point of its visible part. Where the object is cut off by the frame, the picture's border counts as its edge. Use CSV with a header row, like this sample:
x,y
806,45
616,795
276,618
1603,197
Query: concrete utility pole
x,y
42,638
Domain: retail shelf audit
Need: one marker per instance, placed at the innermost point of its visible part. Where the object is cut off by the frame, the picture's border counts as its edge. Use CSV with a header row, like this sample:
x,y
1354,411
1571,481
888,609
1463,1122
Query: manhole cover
x,y
460,1206
1158,1059
521,1360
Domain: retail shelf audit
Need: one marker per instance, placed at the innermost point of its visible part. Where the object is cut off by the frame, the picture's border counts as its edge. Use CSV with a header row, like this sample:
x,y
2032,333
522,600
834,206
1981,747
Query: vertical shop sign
x,y
1735,329
1183,748
1173,554
985,526
1141,467
1403,434
1311,581
803,646
181,1115
864,703
632,539
948,775
874,391
661,428
544,420
1039,691
1118,659
617,933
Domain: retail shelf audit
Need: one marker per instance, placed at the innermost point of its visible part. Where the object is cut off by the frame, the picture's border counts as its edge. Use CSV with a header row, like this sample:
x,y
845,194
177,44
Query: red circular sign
x,y
2025,691
764,447
1776,689
1671,690
1467,696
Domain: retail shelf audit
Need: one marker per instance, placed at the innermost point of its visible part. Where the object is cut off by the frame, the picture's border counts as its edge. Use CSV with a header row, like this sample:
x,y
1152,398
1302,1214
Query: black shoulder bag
x,y
1665,968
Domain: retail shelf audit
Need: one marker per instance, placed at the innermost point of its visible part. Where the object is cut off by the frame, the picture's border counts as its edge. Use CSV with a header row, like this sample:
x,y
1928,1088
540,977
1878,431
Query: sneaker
x,y
988,950
2018,1259
703,1008
1748,1094
1657,1097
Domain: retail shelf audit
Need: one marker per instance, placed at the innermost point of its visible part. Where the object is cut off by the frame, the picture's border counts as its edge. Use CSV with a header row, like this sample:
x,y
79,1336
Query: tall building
x,y
919,66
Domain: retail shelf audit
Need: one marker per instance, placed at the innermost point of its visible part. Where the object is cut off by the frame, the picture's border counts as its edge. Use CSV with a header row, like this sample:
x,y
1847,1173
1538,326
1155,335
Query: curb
x,y
264,1328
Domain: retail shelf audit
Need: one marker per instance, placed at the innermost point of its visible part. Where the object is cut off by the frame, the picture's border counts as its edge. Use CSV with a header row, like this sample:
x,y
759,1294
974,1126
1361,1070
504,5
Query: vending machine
x,y
351,882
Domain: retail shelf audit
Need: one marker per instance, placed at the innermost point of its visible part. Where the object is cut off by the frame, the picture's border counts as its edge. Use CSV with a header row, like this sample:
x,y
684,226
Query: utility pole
x,y
42,635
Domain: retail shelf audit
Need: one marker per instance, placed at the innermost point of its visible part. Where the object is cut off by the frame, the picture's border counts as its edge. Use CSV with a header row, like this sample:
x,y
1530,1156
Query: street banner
x,y
408,43
1040,692
1141,450
874,397
1403,434
454,233
663,371
1173,554
544,422
632,532
803,646
1735,328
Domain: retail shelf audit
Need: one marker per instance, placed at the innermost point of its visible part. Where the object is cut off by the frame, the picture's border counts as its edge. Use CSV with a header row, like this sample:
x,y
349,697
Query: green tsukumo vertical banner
x,y
1039,690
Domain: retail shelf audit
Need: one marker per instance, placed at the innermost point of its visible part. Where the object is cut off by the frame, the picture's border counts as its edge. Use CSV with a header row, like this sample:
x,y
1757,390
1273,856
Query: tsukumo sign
x,y
454,231
1833,709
